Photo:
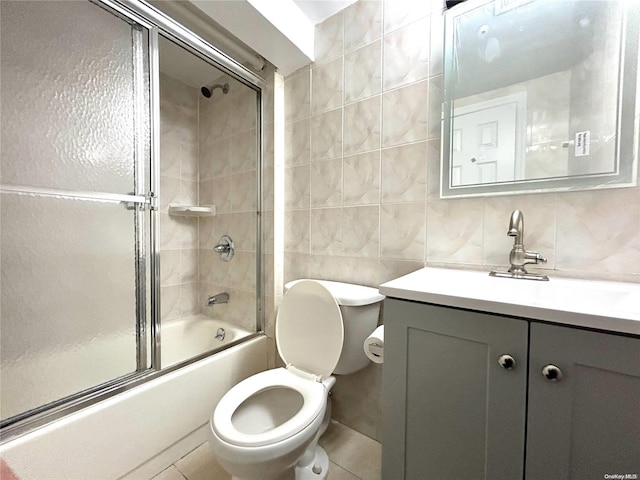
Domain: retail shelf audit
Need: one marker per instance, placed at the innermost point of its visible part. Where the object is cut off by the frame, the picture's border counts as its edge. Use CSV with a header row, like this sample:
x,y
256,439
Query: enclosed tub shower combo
x,y
130,147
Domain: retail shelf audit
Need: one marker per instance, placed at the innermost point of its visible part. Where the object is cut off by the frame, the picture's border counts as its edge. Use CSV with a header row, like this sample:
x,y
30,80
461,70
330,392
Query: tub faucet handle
x,y
225,248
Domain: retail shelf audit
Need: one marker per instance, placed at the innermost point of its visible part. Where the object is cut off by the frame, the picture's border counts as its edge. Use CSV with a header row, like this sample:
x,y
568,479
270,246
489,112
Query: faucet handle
x,y
533,257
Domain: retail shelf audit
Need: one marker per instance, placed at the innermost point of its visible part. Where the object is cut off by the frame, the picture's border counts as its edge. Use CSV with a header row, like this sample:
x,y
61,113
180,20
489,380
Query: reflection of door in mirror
x,y
488,141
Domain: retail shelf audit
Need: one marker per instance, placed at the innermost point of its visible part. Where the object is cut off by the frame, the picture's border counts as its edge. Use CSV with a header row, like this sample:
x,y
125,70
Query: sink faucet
x,y
519,256
219,298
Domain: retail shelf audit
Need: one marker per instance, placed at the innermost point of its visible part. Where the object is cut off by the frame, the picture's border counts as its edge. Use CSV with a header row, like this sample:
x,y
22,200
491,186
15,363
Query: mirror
x,y
539,95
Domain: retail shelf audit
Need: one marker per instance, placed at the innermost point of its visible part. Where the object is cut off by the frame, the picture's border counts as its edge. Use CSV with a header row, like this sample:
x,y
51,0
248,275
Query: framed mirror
x,y
539,95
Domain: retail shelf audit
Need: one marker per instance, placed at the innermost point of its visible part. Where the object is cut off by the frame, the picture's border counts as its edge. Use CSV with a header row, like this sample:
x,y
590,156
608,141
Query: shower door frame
x,y
138,12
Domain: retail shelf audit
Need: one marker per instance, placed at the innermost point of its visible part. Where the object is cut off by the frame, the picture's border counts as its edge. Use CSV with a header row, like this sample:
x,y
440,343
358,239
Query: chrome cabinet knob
x,y
507,362
552,373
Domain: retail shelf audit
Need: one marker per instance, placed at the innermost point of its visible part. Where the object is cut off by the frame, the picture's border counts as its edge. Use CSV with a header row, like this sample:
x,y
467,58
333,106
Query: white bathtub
x,y
190,336
138,433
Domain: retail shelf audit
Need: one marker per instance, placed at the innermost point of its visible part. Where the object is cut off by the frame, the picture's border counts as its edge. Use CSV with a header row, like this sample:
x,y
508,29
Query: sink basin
x,y
613,306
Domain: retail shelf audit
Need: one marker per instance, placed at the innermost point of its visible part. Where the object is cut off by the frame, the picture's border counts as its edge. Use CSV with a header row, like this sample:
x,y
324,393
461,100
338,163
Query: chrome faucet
x,y
520,256
219,298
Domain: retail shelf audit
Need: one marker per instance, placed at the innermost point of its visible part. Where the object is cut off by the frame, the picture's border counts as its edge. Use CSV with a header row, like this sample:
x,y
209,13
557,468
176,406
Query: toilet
x,y
267,426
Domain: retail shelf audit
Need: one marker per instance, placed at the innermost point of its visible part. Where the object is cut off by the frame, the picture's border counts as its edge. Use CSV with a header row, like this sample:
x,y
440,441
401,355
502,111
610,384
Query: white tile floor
x,y
353,456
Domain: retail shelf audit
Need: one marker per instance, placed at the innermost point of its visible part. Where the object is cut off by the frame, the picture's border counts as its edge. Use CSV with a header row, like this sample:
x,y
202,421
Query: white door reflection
x,y
488,141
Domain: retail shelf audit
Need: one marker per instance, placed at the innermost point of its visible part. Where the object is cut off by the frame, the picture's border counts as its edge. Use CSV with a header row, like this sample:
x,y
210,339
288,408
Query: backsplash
x,y
362,171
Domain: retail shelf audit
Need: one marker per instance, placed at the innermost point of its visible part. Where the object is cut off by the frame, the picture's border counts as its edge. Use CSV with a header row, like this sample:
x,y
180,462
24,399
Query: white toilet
x,y
268,426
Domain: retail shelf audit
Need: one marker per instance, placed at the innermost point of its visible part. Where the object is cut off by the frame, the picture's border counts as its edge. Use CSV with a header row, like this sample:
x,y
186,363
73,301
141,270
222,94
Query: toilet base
x,y
318,469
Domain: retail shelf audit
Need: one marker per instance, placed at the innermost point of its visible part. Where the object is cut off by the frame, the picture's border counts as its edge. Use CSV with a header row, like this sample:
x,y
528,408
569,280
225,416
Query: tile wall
x,y
208,157
178,184
362,161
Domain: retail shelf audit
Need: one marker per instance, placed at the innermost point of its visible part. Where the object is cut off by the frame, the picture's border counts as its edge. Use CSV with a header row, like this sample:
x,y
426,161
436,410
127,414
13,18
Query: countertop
x,y
603,305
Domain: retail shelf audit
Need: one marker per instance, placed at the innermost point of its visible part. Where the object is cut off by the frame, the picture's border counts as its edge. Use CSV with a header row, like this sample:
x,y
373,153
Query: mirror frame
x,y
627,119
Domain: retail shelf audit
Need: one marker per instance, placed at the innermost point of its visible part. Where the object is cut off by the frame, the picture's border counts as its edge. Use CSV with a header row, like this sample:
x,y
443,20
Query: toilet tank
x,y
360,307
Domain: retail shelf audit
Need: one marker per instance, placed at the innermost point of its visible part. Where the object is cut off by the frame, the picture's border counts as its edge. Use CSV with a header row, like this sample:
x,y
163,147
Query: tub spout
x,y
218,298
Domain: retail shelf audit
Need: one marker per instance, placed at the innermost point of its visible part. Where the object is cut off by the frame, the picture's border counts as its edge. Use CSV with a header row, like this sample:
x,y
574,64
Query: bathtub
x,y
140,432
194,335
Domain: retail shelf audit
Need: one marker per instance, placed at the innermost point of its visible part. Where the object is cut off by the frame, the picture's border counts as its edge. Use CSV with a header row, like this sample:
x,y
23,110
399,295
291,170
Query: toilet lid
x,y
309,328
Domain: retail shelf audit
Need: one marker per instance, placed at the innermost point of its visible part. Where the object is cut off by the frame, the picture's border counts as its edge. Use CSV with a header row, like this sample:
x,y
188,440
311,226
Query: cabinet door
x,y
450,410
586,424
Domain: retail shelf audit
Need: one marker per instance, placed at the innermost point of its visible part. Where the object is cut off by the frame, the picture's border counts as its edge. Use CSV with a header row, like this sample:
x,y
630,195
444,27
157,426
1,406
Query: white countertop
x,y
612,306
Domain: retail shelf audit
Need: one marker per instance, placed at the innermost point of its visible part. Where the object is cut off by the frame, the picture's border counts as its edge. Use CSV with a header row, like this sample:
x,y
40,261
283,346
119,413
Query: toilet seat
x,y
313,398
310,329
310,337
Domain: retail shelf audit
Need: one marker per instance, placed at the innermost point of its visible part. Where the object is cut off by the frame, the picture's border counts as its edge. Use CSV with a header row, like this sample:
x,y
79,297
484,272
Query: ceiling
x,y
319,10
272,43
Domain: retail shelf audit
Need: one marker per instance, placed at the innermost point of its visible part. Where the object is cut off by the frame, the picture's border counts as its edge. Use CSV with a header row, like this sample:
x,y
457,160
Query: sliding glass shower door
x,y
74,185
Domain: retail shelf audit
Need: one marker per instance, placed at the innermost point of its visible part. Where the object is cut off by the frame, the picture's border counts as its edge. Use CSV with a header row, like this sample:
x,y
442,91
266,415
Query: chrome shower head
x,y
207,90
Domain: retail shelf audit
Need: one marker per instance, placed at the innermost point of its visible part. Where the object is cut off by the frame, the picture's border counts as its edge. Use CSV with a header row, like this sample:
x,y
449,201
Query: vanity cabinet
x,y
587,424
452,410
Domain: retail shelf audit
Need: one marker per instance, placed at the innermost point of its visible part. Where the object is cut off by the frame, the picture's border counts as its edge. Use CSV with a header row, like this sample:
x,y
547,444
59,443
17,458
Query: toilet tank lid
x,y
347,294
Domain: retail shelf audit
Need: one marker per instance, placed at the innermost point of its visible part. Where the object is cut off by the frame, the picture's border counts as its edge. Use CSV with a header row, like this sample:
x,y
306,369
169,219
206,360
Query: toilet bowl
x,y
268,425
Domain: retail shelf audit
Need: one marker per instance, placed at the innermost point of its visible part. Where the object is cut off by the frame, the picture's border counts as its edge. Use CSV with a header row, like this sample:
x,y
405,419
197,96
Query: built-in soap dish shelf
x,y
192,210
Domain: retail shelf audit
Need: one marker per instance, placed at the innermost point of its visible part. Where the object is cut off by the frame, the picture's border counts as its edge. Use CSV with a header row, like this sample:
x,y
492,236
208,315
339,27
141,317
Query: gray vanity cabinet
x,y
587,424
450,410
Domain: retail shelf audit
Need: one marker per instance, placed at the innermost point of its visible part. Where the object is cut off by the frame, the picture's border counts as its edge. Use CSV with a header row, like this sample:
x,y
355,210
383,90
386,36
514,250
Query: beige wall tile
x,y
243,192
363,22
329,38
326,135
170,267
298,142
297,187
326,231
402,231
214,160
296,266
170,302
404,116
362,126
454,231
398,13
297,231
361,179
598,232
243,154
404,173
436,97
326,84
406,55
363,72
436,43
297,90
326,187
361,231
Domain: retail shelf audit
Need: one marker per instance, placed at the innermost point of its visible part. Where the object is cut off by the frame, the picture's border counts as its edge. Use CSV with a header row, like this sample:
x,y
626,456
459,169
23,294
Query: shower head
x,y
207,90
